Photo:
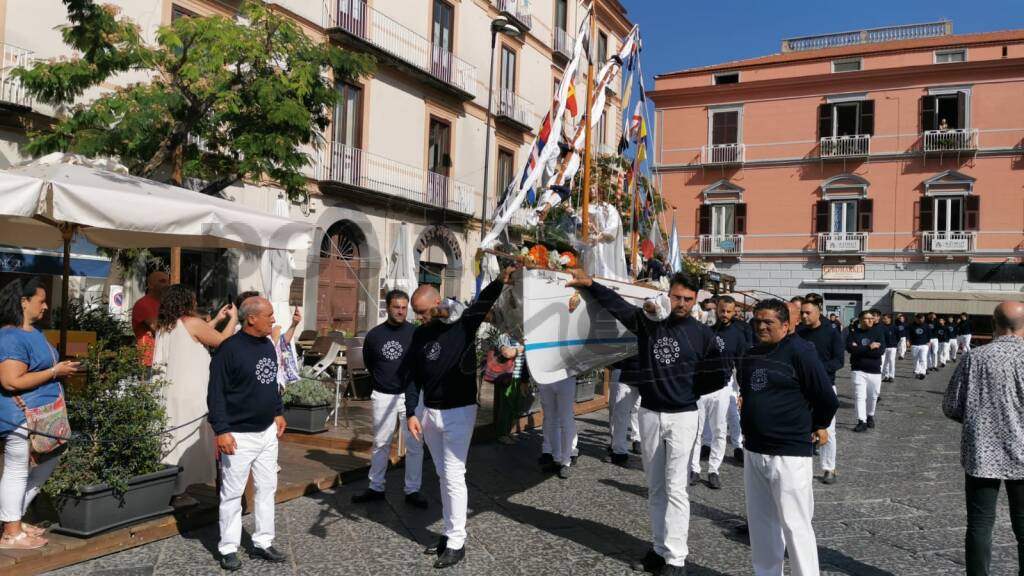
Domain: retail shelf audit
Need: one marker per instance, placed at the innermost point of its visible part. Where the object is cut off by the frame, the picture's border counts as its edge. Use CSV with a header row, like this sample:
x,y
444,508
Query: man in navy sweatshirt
x,y
920,336
829,344
889,357
901,336
788,402
441,364
964,332
680,359
246,414
933,343
383,350
866,345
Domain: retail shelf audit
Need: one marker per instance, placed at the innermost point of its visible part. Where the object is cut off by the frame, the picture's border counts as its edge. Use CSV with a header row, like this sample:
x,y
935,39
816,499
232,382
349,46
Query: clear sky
x,y
679,34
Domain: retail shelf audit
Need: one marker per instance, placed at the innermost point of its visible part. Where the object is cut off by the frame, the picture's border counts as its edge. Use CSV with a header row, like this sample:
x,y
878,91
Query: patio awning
x,y
980,303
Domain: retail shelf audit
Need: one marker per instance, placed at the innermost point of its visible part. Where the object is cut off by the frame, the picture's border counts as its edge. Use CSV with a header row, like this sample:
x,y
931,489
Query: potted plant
x,y
307,403
111,472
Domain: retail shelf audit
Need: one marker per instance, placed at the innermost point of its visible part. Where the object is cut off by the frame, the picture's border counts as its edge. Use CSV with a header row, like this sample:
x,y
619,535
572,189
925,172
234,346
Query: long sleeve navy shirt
x,y
383,350
242,394
829,343
942,333
787,395
442,358
679,358
901,330
951,331
734,342
933,329
964,327
862,357
919,334
891,340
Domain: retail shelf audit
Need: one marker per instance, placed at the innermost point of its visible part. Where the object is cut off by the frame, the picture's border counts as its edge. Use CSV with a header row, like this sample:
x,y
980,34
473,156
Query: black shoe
x,y
620,459
416,499
742,529
670,570
545,459
879,399
270,554
231,562
737,455
551,467
572,460
450,557
871,422
369,495
652,562
636,449
861,426
564,473
920,376
714,482
694,478
438,548
829,477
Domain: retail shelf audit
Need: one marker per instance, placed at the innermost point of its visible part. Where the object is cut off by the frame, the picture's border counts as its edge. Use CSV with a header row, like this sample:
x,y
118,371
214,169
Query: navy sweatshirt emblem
x,y
392,350
666,350
433,351
266,371
759,380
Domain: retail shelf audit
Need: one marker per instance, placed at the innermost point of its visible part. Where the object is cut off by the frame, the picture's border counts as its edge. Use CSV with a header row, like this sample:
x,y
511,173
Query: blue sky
x,y
679,34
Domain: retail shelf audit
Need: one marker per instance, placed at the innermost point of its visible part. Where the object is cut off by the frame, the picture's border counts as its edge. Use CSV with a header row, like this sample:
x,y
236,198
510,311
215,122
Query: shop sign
x,y
842,271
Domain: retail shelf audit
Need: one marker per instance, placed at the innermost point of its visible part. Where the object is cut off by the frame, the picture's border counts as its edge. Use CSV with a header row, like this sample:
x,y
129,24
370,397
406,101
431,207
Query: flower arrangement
x,y
539,256
694,265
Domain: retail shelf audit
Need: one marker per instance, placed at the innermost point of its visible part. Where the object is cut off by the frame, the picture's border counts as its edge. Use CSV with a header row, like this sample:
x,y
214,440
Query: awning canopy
x,y
943,302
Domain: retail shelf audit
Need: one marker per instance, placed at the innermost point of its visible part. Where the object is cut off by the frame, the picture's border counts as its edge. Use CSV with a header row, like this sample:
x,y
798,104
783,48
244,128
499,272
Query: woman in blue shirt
x,y
28,368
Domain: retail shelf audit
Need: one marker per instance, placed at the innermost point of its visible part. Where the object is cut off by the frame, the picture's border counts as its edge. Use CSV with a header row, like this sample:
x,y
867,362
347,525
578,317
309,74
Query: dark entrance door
x,y
338,289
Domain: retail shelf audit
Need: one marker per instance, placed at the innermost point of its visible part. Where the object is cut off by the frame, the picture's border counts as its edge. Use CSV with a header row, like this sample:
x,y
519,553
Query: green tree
x,y
226,99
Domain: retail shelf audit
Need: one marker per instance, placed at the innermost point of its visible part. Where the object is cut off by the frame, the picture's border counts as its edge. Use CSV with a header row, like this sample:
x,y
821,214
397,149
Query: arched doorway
x,y
439,260
338,289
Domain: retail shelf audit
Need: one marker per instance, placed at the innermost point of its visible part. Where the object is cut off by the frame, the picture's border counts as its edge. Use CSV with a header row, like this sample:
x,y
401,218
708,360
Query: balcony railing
x,y
11,89
845,146
359,20
842,242
868,36
563,43
948,242
722,154
508,104
721,244
355,167
950,140
518,9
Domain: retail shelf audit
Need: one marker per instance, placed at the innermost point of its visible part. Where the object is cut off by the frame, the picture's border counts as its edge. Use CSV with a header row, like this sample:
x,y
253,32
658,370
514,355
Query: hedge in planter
x,y
111,473
307,403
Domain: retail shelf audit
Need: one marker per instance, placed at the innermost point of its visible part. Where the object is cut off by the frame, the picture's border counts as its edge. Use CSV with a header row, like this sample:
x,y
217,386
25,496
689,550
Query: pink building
x,y
879,167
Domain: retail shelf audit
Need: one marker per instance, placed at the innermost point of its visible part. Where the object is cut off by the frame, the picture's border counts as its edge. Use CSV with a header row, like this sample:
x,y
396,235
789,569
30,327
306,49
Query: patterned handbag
x,y
48,425
498,369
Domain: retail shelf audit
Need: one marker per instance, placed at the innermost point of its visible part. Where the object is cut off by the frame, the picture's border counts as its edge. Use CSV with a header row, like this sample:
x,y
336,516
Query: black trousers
x,y
982,494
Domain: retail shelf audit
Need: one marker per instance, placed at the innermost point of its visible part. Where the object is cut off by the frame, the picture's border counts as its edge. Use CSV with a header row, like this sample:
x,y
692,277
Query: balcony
x,y
722,154
721,244
514,110
842,243
563,43
360,173
948,242
868,36
517,10
845,146
11,90
957,140
359,26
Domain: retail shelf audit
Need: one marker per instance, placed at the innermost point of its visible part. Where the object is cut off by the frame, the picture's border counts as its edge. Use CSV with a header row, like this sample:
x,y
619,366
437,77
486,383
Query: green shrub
x,y
307,392
93,316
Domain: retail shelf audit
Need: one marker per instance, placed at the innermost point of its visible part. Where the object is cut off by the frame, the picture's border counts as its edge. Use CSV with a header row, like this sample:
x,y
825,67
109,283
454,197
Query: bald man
x,y
984,395
441,363
144,314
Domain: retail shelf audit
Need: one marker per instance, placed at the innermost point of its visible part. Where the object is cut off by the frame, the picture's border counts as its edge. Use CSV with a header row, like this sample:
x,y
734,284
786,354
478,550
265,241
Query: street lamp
x,y
506,27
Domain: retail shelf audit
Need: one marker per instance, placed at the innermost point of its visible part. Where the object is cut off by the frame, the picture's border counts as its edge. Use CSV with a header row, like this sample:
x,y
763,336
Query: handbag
x,y
498,369
47,425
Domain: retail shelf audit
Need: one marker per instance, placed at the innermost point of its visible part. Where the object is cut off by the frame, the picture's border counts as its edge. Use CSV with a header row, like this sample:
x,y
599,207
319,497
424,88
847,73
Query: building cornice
x,y
664,168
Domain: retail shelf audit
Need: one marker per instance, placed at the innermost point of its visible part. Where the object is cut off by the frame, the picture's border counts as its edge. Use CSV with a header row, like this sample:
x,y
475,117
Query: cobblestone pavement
x,y
897,509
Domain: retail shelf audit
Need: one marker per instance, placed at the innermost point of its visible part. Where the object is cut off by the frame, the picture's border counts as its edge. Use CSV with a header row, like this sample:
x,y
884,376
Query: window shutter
x,y
928,121
821,217
926,214
961,110
705,219
972,204
740,219
867,117
824,121
865,219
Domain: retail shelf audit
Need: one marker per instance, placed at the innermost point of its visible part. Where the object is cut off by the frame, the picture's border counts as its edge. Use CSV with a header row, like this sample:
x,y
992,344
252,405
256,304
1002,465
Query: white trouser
x,y
920,354
712,414
865,392
943,353
933,353
780,507
902,348
546,439
667,439
965,342
447,434
623,421
389,412
557,400
20,484
256,452
828,451
735,432
889,363
954,348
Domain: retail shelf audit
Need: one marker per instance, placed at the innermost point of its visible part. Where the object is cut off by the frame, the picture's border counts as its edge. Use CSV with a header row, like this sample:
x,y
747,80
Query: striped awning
x,y
980,303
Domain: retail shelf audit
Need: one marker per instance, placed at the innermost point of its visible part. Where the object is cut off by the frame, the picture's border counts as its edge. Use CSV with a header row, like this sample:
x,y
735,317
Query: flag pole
x,y
634,223
585,204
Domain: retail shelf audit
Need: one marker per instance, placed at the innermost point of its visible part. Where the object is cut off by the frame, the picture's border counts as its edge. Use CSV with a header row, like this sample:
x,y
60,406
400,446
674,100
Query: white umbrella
x,y
402,267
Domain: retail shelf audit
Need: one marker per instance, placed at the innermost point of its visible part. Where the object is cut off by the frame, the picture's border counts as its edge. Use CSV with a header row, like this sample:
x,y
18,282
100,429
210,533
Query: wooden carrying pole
x,y
585,204
177,179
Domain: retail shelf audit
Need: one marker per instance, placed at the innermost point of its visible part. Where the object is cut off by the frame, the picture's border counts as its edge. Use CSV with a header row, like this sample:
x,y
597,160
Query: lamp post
x,y
502,25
